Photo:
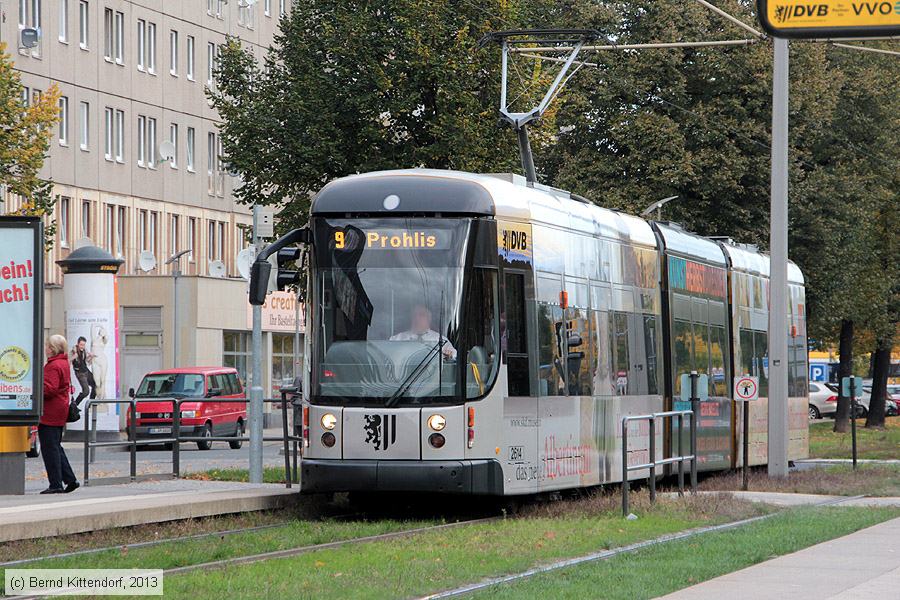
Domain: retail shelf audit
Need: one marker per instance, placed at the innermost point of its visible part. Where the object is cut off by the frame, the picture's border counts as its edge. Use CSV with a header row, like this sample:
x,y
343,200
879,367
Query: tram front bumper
x,y
447,476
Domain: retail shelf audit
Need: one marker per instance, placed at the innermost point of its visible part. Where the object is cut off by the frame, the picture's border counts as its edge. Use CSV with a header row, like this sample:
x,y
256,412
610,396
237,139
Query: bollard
x,y
681,453
653,460
853,417
132,437
695,410
176,445
625,467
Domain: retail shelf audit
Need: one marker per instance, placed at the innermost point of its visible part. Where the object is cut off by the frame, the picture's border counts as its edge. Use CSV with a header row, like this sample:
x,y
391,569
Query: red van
x,y
208,416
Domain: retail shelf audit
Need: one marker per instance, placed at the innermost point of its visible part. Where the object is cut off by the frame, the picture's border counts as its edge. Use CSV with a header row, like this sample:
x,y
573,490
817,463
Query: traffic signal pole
x,y
778,252
256,378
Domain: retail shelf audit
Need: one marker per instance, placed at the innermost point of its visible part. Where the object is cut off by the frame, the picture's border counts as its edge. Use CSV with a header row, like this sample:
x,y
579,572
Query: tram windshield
x,y
401,318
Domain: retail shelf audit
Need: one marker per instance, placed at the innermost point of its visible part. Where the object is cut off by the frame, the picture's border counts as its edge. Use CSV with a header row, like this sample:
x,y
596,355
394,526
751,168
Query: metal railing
x,y
176,439
653,463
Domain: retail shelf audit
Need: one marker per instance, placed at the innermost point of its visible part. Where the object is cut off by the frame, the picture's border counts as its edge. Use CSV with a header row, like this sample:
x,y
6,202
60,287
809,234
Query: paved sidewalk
x,y
863,565
790,499
108,506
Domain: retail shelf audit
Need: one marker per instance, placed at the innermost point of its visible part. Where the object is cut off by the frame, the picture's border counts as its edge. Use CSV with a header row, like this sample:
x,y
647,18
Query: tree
x,y
351,86
25,133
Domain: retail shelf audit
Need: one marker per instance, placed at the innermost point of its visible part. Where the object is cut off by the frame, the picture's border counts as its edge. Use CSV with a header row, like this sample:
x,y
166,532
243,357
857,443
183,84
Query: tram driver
x,y
420,331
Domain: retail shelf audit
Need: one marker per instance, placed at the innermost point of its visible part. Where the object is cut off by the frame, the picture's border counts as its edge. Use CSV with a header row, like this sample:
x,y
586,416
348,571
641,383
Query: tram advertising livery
x,y
473,334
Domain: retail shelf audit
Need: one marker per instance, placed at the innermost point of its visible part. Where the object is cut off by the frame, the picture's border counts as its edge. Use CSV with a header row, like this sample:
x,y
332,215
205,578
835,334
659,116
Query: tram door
x,y
521,420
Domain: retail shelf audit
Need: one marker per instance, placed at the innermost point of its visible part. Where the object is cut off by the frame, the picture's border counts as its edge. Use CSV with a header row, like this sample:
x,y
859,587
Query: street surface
x,y
115,462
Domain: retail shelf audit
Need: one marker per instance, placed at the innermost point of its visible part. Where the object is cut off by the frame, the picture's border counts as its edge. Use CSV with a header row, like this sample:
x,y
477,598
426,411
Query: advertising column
x,y
92,330
21,344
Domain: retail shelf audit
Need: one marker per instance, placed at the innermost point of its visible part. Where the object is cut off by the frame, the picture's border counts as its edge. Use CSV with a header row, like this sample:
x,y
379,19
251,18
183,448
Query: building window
x,y
236,352
109,134
220,242
141,44
108,34
154,217
63,121
64,21
189,68
173,237
25,97
245,14
120,232
210,6
30,16
83,30
64,222
173,137
120,38
86,219
267,8
282,7
211,161
283,368
142,229
120,136
192,238
210,62
211,245
109,228
85,118
173,52
141,139
151,143
151,48
189,154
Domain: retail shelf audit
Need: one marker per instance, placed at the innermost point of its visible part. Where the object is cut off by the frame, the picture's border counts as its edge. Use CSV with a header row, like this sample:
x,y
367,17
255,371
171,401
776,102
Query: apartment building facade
x,y
135,162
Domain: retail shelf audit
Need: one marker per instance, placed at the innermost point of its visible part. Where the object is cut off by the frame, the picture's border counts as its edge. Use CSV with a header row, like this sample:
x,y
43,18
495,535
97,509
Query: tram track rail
x,y
252,558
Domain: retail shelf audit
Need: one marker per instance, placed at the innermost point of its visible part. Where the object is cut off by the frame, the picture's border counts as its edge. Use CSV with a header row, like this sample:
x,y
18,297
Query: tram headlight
x,y
437,422
329,421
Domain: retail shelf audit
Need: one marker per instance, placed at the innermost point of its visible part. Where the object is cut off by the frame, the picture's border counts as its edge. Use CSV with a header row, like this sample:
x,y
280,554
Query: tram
x,y
472,334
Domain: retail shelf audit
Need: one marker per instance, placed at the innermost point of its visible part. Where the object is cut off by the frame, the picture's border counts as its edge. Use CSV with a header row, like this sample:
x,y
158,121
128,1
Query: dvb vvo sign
x,y
805,19
21,316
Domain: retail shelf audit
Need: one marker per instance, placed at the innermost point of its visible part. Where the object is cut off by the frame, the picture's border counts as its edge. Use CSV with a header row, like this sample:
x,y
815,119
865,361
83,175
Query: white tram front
x,y
471,334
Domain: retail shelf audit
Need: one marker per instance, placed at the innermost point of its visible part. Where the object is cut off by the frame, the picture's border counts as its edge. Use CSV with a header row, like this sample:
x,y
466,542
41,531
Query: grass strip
x,y
663,569
439,560
833,480
878,444
270,475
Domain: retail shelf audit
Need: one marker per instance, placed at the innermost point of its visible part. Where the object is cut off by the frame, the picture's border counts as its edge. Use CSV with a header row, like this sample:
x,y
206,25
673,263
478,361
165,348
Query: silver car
x,y
822,400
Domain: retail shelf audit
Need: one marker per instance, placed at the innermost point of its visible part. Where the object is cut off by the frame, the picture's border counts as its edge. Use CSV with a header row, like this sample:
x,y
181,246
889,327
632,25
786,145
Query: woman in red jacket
x,y
57,388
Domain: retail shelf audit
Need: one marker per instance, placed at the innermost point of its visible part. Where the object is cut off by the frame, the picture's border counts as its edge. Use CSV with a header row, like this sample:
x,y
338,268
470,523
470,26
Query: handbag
x,y
74,412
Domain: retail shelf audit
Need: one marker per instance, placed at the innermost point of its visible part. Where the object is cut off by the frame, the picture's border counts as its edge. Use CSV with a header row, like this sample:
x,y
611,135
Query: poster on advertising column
x,y
21,312
93,357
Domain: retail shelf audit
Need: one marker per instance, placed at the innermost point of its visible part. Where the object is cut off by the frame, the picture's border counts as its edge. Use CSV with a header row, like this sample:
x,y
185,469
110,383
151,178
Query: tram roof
x,y
505,196
748,259
690,245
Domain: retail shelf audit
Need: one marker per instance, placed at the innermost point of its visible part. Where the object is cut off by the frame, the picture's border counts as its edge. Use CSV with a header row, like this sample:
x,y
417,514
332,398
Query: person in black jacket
x,y
81,358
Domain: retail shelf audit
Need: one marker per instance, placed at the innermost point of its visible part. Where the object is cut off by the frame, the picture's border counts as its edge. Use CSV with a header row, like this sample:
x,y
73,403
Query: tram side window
x,y
481,332
718,374
619,343
551,379
651,347
602,381
683,342
514,337
747,364
579,351
761,356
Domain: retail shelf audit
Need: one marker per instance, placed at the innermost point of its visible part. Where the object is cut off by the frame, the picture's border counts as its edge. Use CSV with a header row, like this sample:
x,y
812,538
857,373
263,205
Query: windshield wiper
x,y
417,372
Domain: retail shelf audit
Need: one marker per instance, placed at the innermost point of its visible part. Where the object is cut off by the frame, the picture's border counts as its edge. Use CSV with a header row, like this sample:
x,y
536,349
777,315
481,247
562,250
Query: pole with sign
x,y
694,389
852,387
21,343
746,389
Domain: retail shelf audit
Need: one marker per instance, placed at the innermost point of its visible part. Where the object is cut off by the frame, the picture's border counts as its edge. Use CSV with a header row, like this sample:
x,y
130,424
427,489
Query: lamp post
x,y
657,206
175,258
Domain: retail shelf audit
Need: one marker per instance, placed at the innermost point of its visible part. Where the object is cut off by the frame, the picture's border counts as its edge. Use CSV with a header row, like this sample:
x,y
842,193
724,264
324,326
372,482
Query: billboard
x,y
21,312
805,19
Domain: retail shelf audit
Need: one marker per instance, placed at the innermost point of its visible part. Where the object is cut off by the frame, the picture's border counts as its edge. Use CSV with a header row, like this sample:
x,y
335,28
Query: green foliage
x,y
25,134
358,86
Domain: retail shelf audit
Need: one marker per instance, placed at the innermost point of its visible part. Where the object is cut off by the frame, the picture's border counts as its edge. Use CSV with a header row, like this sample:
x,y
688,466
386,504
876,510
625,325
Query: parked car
x,y
862,402
207,416
35,450
890,403
822,400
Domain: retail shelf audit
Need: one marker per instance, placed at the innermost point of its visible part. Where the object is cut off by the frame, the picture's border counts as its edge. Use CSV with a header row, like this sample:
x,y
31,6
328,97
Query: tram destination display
x,y
21,312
